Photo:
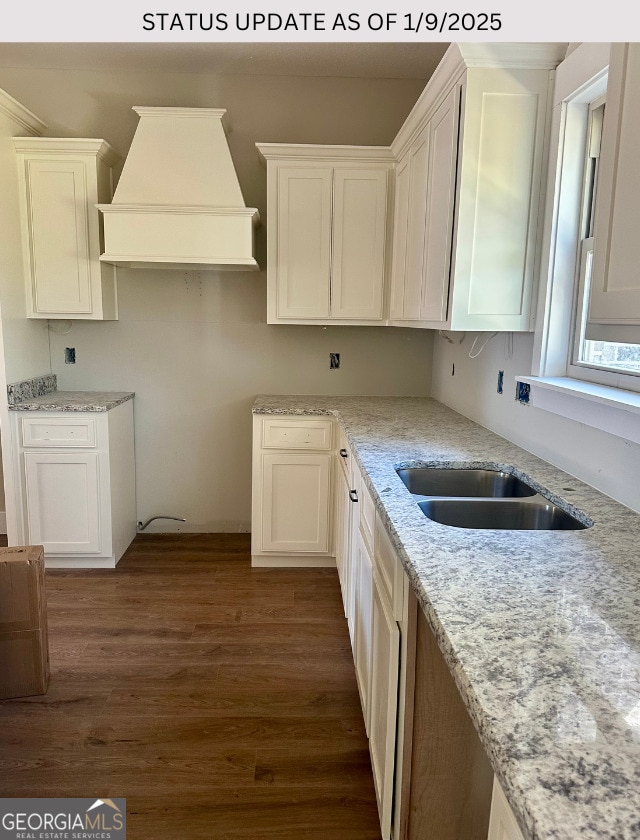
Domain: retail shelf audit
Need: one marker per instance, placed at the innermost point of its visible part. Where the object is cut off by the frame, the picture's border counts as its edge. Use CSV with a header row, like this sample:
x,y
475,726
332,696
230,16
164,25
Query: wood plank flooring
x,y
220,700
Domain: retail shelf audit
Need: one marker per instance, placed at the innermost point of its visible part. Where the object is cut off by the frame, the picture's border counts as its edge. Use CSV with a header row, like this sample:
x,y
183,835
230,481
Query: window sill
x,y
609,409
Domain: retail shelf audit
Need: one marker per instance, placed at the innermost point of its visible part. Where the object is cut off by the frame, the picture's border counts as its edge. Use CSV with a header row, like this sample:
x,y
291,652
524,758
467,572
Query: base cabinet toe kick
x,y
311,506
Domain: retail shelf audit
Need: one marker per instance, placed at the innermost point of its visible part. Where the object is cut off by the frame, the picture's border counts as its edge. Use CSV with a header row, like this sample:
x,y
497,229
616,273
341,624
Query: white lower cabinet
x,y
385,671
77,484
431,774
292,493
502,823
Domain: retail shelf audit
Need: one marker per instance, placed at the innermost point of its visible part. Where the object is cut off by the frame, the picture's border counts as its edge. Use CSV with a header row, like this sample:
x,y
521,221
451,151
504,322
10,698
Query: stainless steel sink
x,y
428,481
478,498
504,515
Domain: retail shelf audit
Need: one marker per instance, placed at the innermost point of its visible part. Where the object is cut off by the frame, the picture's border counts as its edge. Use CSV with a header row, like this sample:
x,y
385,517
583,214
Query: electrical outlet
x,y
69,355
334,361
500,381
523,391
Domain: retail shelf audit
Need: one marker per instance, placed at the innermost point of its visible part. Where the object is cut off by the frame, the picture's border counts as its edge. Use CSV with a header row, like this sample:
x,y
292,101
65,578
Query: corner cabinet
x,y
291,488
61,181
469,174
77,484
327,233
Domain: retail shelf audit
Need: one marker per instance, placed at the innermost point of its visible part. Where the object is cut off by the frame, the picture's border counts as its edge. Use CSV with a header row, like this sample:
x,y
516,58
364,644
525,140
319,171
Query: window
x,y
593,379
591,354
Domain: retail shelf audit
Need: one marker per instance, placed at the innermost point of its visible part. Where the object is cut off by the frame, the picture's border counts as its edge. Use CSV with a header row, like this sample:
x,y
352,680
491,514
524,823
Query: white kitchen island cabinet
x,y
61,181
77,484
327,232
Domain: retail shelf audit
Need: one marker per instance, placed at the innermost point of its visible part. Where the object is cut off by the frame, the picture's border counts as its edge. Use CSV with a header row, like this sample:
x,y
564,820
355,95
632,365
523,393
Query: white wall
x,y
609,463
196,350
195,347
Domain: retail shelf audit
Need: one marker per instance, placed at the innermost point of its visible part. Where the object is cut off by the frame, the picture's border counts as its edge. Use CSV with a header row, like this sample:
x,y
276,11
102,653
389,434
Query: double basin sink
x,y
480,498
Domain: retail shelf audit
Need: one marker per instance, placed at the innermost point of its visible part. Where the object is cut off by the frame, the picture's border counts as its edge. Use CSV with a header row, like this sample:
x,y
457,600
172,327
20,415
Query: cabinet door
x,y
343,534
385,671
363,620
400,235
615,283
443,147
359,233
295,503
63,501
303,267
354,556
57,252
502,823
498,202
417,226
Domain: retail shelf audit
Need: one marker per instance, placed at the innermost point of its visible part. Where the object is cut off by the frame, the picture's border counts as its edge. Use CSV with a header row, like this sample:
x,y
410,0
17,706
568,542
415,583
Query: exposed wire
x,y
473,353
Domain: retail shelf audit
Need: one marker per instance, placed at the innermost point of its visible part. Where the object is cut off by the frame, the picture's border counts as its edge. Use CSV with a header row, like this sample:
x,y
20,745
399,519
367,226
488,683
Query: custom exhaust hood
x,y
178,203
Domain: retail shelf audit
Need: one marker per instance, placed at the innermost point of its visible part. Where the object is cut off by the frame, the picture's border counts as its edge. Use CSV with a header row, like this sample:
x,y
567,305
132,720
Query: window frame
x,y
612,407
576,367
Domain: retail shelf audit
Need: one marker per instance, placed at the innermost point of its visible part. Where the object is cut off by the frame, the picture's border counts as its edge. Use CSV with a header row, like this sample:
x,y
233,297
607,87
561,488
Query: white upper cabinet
x,y
327,232
614,309
61,181
475,142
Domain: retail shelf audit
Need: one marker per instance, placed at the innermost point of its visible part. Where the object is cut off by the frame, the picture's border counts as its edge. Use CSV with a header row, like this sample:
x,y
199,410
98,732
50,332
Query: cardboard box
x,y
24,648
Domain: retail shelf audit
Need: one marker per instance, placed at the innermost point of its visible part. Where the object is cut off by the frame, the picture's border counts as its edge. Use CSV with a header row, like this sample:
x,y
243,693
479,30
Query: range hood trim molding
x,y
186,113
180,263
198,209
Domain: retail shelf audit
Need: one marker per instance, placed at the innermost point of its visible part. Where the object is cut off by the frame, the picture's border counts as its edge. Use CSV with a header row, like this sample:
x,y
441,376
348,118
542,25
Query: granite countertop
x,y
541,629
74,401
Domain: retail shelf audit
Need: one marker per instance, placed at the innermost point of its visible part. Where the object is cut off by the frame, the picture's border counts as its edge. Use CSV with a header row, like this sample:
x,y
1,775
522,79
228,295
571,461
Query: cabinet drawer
x,y
58,431
290,433
389,569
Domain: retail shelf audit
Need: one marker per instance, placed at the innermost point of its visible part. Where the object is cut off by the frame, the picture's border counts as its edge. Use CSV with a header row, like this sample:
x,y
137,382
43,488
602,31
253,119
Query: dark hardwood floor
x,y
220,700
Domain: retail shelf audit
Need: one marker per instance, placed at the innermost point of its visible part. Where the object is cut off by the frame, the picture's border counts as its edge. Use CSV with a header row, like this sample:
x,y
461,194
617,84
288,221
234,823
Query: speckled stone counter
x,y
74,401
541,629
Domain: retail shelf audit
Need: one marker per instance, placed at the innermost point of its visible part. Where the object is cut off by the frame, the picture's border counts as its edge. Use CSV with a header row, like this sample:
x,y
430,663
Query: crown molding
x,y
330,154
526,56
67,146
23,116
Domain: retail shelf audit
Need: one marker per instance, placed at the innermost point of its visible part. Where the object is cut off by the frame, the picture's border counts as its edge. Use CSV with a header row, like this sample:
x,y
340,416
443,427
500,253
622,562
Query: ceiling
x,y
356,60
